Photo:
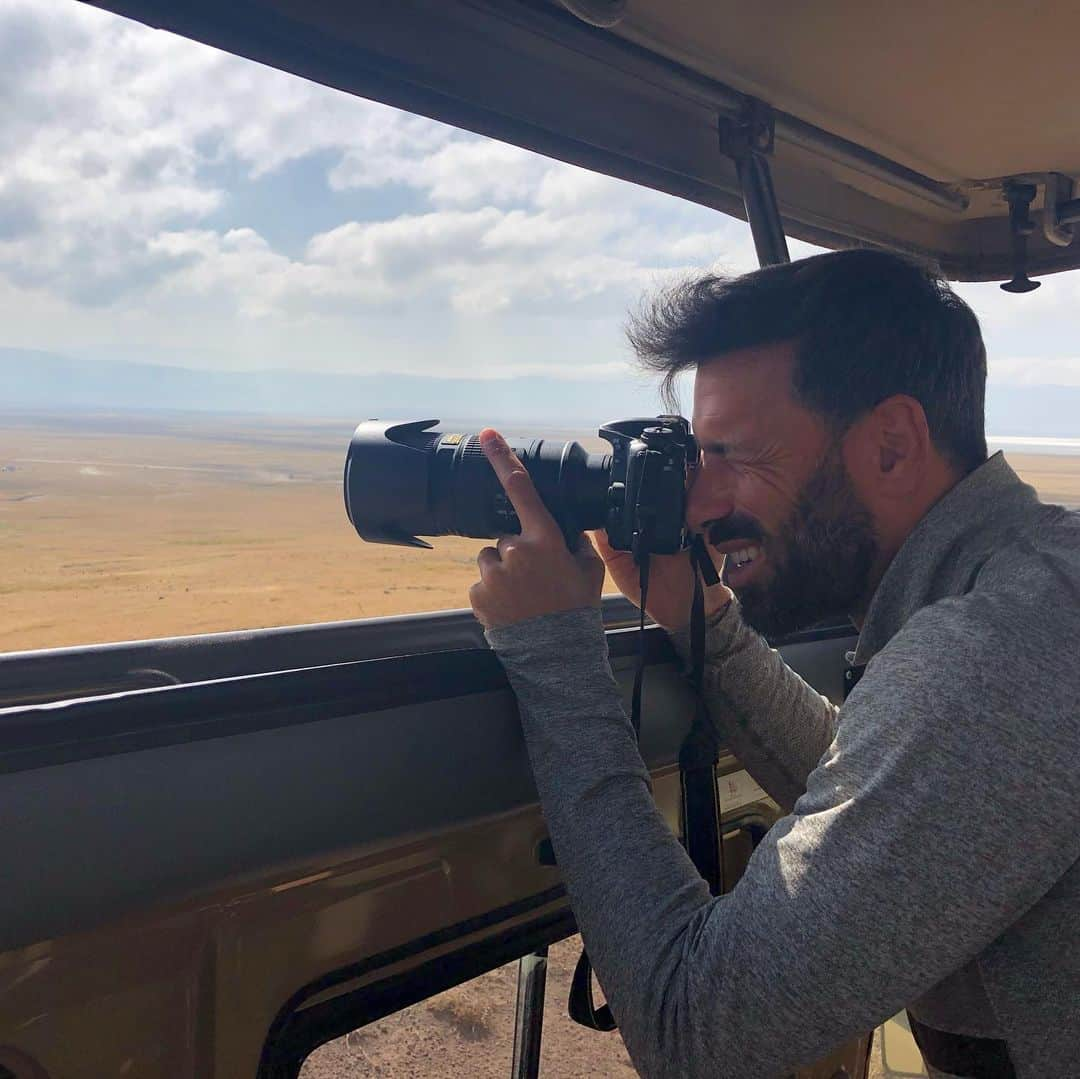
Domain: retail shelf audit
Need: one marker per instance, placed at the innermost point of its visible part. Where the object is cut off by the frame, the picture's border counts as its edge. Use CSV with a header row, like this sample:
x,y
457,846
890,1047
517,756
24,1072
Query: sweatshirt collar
x,y
945,550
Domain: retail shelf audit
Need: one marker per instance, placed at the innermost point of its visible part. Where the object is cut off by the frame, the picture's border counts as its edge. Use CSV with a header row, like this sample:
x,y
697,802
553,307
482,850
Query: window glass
x,y
469,1030
211,270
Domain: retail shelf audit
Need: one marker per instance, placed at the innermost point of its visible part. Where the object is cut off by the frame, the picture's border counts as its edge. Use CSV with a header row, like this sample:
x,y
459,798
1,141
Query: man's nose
x,y
706,500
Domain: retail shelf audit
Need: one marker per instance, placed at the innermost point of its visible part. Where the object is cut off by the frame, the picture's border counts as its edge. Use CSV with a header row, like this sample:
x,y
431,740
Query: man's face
x,y
771,492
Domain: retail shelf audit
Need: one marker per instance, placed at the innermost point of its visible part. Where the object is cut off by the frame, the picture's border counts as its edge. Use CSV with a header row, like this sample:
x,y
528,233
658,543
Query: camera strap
x,y
639,674
698,756
700,751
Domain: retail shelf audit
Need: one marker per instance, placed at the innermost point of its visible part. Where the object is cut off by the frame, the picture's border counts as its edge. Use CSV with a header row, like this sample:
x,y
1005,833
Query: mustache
x,y
735,527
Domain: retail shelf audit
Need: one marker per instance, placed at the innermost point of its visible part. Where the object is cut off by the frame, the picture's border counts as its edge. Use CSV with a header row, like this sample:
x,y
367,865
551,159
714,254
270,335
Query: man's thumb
x,y
603,546
585,551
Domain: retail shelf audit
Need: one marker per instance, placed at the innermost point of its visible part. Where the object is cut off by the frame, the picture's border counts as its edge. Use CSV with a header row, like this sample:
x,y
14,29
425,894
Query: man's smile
x,y
743,559
742,565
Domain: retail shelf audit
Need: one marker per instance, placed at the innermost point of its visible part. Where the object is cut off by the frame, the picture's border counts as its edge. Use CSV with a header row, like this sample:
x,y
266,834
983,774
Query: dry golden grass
x,y
109,537
215,525
1056,478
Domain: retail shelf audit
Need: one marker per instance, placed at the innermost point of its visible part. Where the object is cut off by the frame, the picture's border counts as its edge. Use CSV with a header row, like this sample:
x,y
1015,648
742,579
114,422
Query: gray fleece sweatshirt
x,y
930,859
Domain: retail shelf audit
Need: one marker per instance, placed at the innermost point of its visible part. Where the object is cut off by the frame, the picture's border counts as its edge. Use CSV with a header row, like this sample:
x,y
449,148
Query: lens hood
x,y
387,480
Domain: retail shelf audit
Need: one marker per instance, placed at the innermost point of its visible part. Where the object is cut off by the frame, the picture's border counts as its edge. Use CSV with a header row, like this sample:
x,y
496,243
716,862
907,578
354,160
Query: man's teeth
x,y
747,554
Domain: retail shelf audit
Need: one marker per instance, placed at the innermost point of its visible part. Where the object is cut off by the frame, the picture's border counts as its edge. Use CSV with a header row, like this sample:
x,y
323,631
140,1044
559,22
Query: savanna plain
x,y
129,526
121,527
115,527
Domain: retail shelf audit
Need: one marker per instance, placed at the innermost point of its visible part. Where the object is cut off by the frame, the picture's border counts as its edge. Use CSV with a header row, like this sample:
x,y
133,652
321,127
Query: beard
x,y
821,559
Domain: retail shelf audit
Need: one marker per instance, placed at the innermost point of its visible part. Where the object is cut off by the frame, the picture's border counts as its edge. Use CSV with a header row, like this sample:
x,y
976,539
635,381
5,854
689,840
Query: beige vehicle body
x,y
219,901
224,851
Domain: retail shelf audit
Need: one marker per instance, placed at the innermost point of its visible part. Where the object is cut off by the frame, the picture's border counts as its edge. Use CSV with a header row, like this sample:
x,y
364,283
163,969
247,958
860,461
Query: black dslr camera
x,y
403,480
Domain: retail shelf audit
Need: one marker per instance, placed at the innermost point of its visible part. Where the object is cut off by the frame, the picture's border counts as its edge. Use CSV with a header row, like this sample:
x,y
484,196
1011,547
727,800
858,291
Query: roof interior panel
x,y
960,90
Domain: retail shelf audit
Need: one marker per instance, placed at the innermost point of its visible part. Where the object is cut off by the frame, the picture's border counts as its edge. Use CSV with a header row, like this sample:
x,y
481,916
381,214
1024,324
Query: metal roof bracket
x,y
748,138
1020,197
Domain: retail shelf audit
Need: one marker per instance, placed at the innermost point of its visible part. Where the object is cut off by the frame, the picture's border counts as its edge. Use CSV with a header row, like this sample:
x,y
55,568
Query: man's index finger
x,y
516,482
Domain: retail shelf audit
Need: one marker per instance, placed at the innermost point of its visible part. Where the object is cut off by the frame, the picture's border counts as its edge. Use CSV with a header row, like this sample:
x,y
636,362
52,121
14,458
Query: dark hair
x,y
866,325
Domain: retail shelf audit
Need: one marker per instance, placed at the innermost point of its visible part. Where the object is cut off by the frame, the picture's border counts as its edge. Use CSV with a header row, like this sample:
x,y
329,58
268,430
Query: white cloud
x,y
111,136
451,168
472,262
1035,370
119,150
122,232
998,310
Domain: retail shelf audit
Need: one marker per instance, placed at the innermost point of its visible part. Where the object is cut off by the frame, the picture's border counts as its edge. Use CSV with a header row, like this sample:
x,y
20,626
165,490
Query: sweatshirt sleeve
x,y
894,870
778,725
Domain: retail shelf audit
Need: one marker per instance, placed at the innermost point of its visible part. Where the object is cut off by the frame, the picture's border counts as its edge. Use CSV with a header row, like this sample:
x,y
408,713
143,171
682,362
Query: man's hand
x,y
533,573
671,585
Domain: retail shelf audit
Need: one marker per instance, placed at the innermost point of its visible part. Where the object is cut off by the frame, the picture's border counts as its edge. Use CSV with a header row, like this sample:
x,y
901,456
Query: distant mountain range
x,y
51,382
47,381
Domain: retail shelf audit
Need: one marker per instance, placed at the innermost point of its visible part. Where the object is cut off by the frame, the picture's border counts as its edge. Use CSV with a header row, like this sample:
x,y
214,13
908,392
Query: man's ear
x,y
897,437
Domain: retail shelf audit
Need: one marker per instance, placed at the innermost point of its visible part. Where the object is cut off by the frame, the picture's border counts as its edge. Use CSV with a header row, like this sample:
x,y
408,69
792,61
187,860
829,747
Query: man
x,y
930,858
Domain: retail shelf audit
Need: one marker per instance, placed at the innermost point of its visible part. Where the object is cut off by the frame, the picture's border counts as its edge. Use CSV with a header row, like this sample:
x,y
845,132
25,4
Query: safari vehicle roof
x,y
894,123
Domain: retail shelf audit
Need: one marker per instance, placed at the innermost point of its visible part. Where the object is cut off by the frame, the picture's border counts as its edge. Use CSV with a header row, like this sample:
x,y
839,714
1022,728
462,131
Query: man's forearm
x,y
775,723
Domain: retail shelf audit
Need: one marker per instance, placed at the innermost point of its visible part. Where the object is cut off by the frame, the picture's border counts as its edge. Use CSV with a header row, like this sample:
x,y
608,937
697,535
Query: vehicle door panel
x,y
288,853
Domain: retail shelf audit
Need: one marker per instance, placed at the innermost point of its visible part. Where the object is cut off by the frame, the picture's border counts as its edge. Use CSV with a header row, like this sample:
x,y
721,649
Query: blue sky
x,y
162,202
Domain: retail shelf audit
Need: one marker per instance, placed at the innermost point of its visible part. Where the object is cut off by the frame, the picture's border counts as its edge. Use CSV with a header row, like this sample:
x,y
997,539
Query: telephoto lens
x,y
403,480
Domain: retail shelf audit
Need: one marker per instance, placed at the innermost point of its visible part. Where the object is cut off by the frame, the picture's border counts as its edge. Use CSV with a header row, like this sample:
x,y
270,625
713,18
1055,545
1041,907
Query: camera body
x,y
647,492
404,480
